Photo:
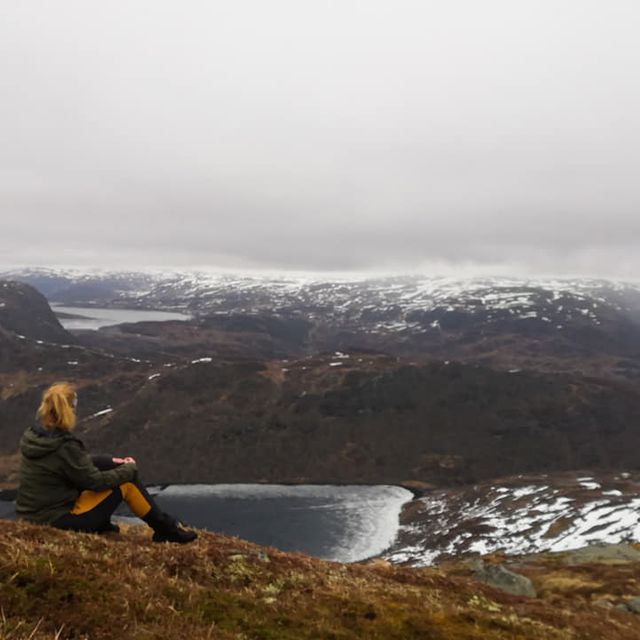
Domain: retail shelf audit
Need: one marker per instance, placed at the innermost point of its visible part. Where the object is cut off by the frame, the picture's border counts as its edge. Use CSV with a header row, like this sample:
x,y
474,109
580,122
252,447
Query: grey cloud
x,y
336,135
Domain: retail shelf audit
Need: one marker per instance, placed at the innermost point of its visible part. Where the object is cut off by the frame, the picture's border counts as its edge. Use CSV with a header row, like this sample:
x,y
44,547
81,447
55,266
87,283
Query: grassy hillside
x,y
69,585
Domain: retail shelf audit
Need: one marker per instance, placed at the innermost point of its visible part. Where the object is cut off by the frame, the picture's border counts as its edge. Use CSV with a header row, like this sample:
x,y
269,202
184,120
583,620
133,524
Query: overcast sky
x,y
322,135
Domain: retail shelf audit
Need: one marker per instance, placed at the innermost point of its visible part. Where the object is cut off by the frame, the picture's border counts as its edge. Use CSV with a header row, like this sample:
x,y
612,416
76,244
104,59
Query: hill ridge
x,y
82,585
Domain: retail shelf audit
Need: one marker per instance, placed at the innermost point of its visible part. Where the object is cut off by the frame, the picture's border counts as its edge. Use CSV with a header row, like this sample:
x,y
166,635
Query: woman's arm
x,y
83,474
104,462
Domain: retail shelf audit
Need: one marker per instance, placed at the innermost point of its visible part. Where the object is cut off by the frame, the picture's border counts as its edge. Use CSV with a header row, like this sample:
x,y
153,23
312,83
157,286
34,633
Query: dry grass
x,y
56,584
564,582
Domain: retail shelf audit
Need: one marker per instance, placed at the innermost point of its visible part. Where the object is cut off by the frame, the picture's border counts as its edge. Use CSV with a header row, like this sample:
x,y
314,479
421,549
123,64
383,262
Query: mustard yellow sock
x,y
134,498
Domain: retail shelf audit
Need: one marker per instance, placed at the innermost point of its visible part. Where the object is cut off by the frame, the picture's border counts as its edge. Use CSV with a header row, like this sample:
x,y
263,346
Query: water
x,y
95,318
342,523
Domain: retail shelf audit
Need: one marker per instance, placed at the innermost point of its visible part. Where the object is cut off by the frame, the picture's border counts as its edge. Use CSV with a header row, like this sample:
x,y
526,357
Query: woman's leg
x,y
92,511
138,500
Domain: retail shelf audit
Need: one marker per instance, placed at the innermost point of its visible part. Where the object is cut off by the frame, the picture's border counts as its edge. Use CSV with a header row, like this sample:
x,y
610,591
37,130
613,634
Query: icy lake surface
x,y
342,523
95,318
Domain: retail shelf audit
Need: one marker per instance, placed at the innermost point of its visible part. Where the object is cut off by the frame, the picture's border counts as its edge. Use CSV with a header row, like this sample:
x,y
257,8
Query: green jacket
x,y
54,469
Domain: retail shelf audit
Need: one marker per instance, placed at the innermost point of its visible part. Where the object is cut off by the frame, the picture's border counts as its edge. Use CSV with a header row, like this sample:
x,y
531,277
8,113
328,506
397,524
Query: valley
x,y
440,387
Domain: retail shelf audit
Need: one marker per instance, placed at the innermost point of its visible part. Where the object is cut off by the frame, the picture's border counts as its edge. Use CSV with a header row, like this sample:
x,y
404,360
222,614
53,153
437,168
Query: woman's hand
x,y
127,460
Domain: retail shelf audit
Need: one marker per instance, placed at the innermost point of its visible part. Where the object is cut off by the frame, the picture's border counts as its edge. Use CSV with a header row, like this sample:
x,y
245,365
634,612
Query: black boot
x,y
167,529
109,527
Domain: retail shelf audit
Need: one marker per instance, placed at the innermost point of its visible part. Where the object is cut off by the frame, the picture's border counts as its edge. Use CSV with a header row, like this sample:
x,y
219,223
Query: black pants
x,y
97,518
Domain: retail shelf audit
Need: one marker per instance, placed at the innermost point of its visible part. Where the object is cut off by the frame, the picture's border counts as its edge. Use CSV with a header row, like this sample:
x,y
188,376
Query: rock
x,y
633,605
417,487
497,576
604,553
604,604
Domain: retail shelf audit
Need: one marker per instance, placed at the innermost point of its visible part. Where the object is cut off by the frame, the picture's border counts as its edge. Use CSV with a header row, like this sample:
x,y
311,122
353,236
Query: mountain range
x,y
388,380
581,326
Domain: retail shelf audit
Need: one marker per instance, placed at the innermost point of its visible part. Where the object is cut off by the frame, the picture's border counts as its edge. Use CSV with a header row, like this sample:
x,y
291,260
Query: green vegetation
x,y
56,584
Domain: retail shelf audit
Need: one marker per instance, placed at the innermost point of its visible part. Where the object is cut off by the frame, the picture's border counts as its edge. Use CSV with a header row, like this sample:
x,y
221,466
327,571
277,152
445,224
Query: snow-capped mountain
x,y
574,325
392,303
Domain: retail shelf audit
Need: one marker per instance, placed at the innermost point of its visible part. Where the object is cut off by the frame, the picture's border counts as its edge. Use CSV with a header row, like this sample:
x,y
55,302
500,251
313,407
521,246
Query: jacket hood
x,y
37,443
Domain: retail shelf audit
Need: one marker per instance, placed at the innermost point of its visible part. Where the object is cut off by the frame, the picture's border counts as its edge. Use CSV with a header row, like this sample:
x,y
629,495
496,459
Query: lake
x,y
95,318
342,523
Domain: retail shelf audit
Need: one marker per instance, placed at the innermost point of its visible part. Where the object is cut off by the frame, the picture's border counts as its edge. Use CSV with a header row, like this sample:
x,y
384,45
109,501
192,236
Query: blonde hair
x,y
57,407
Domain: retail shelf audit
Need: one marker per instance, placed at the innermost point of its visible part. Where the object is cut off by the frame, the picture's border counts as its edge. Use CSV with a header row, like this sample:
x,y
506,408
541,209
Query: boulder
x,y
497,576
604,553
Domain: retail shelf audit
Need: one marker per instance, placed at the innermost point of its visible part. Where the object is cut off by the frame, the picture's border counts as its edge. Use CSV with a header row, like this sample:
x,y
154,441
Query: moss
x,y
76,586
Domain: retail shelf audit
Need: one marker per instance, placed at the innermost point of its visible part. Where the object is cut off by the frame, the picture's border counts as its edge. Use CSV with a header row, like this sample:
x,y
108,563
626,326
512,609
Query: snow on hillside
x,y
388,304
520,516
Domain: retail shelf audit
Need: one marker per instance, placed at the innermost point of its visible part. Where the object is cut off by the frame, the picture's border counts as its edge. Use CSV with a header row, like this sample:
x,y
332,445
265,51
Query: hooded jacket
x,y
54,469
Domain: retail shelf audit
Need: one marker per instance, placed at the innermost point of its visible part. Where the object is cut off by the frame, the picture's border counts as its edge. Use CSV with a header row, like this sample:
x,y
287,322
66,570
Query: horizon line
x,y
302,274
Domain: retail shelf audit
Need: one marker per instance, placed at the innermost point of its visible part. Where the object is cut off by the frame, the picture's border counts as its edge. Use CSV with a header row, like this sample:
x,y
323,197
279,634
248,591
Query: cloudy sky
x,y
501,135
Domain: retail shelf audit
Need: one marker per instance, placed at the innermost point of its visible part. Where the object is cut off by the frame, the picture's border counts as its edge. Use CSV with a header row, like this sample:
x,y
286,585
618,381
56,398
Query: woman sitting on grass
x,y
61,485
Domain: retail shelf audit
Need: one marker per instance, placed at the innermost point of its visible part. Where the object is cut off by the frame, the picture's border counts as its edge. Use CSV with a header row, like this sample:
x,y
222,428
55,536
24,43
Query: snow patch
x,y
101,413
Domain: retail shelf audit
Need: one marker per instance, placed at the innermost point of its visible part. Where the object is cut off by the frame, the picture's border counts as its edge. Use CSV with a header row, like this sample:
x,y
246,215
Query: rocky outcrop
x,y
26,312
499,577
603,553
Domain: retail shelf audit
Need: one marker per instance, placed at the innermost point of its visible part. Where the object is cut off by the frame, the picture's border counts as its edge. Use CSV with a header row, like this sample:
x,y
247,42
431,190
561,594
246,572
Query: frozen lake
x,y
343,523
95,318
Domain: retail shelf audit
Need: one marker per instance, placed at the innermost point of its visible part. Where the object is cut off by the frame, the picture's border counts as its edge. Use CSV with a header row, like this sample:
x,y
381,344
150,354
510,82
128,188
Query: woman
x,y
61,485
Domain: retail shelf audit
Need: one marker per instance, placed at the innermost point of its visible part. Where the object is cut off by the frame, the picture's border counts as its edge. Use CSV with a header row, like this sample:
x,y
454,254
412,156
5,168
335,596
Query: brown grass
x,y
567,583
56,584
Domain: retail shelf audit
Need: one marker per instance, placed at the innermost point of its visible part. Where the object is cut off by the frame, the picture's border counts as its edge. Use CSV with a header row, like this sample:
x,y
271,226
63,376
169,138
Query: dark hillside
x,y
368,418
25,311
230,336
